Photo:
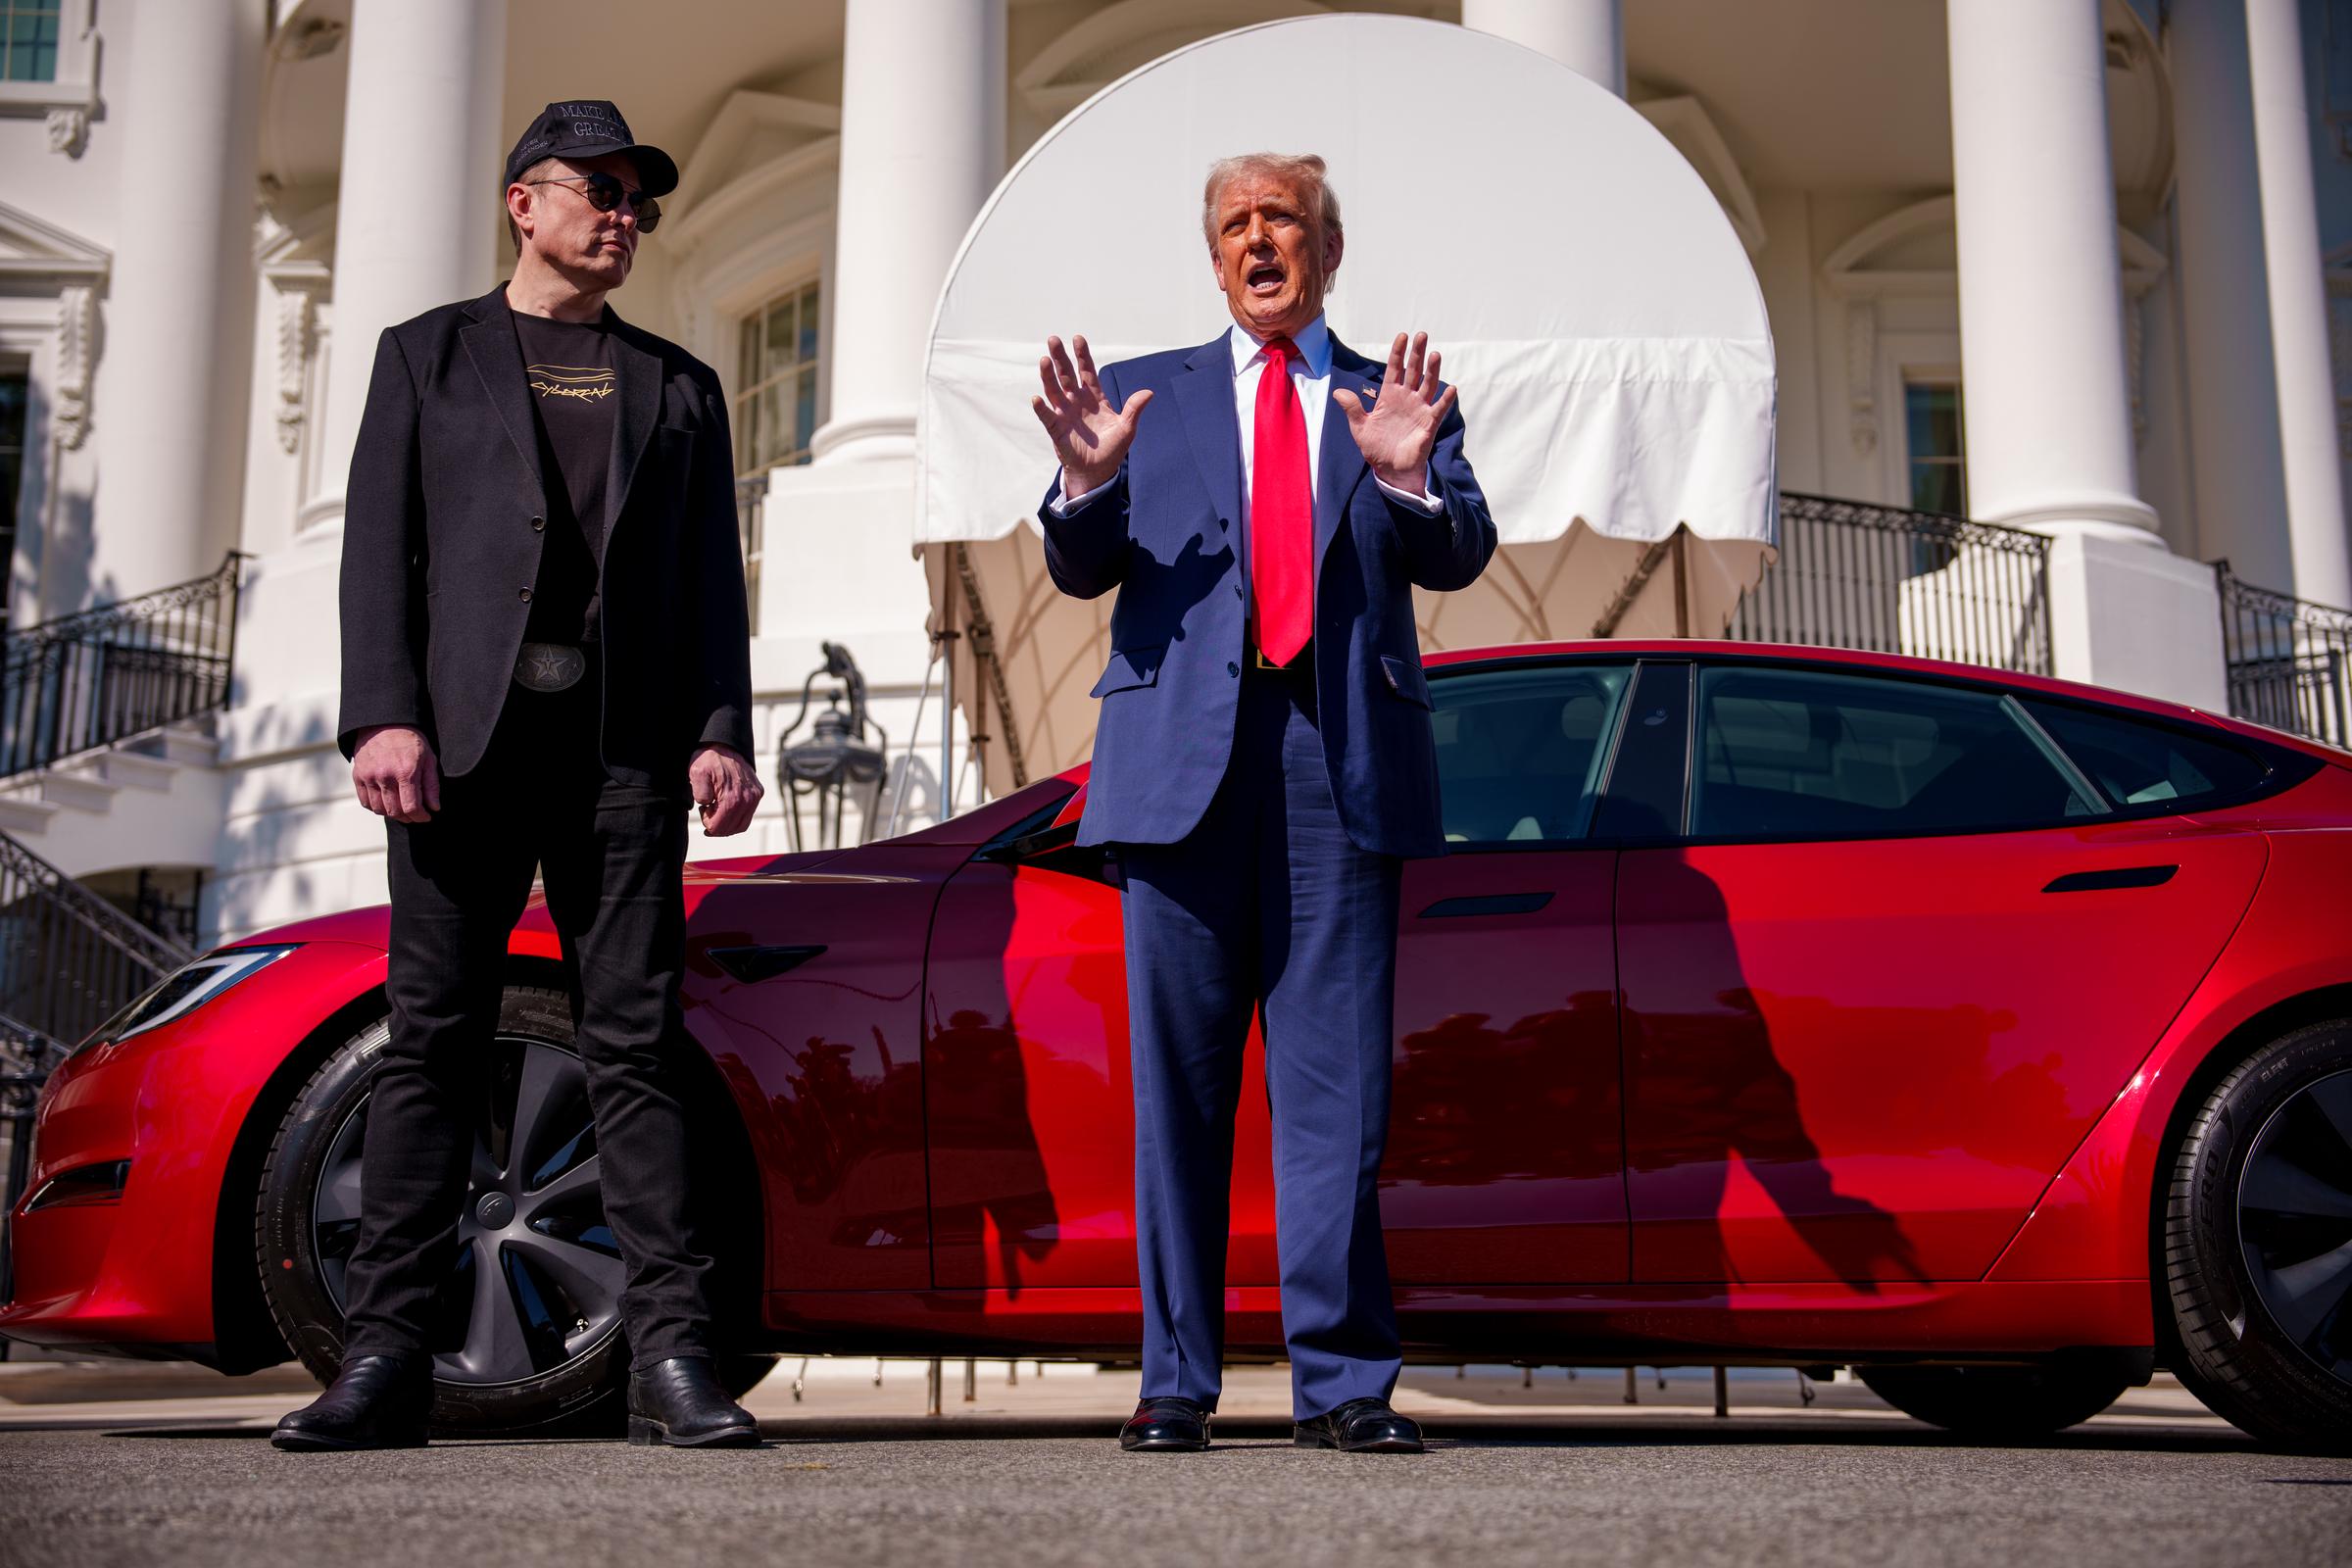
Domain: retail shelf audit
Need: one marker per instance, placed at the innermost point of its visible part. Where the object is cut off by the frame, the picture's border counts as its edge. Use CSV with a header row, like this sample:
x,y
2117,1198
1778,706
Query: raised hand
x,y
1089,436
1397,433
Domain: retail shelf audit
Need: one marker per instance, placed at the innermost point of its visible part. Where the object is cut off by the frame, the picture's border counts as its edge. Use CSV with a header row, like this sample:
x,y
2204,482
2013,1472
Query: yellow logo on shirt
x,y
571,381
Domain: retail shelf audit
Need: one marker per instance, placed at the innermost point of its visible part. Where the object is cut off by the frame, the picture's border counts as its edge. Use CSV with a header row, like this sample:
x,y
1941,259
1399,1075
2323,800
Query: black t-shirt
x,y
575,385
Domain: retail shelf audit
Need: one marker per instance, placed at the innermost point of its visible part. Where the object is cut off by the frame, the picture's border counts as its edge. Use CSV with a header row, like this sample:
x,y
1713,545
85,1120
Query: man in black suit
x,y
545,656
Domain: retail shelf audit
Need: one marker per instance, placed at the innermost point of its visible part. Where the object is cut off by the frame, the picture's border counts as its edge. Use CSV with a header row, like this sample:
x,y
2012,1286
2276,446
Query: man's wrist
x,y
1413,481
1078,486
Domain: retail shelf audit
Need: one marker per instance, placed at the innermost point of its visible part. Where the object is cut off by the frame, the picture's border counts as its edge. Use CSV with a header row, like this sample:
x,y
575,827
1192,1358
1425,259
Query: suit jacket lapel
x,y
498,360
633,422
1204,399
1339,466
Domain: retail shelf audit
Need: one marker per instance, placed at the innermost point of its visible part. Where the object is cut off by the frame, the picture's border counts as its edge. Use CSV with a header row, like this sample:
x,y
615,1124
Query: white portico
x,y
2058,264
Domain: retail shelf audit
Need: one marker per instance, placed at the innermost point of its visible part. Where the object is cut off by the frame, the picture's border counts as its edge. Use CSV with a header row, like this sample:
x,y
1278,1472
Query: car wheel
x,y
1996,1401
526,1326
2258,1242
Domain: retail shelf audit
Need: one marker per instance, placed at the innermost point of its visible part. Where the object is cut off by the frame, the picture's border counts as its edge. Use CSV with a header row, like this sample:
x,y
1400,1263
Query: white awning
x,y
1591,300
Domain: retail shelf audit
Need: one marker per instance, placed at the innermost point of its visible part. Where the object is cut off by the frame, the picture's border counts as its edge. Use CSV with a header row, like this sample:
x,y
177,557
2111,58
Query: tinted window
x,y
1795,752
1520,751
2140,763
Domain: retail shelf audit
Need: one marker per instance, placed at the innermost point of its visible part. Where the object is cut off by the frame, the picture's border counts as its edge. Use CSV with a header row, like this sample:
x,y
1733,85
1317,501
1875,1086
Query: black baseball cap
x,y
590,127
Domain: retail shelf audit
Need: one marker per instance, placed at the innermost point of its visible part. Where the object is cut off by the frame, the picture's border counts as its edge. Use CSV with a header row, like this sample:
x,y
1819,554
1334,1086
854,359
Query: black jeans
x,y
611,856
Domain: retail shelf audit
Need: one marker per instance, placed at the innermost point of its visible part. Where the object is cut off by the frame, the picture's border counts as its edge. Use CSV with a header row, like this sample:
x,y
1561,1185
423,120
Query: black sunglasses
x,y
604,193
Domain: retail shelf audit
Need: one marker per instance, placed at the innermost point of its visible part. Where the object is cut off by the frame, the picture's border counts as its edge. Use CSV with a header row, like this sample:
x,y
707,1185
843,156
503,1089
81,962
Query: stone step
x,y
25,816
139,770
190,747
79,790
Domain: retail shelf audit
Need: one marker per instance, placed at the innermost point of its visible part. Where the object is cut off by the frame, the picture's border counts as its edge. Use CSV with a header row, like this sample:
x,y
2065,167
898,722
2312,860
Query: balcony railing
x,y
68,962
1856,576
2290,661
92,679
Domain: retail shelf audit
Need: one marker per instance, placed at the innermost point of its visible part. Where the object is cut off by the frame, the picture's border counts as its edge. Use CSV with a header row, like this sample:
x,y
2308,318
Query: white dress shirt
x,y
1310,379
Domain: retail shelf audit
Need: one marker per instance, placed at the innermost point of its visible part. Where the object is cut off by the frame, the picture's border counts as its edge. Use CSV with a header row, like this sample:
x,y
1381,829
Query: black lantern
x,y
836,758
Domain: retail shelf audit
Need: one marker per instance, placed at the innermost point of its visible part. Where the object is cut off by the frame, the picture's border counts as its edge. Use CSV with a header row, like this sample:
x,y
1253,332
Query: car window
x,y
2143,763
1798,753
1520,751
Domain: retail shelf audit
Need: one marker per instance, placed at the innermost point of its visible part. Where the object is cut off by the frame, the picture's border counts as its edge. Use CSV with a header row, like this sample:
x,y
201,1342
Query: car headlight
x,y
184,991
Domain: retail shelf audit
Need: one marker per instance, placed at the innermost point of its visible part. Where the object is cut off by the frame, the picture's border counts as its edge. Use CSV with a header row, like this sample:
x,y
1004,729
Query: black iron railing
x,y
92,679
2290,661
68,960
1856,576
27,1059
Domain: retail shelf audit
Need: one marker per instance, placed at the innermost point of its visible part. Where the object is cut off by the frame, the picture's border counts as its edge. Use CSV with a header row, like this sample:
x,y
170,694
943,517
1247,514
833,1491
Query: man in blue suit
x,y
1263,762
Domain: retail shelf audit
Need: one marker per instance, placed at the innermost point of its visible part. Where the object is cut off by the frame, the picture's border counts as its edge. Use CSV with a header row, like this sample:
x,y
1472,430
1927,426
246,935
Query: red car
x,y
1777,1007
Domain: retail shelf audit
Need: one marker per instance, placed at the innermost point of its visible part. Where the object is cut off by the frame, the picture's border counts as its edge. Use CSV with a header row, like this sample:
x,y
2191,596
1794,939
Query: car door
x,y
1895,954
1029,1109
1505,1160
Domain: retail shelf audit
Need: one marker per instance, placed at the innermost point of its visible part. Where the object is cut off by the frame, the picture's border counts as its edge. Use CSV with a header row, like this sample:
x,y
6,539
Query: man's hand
x,y
1397,433
726,790
396,774
1089,436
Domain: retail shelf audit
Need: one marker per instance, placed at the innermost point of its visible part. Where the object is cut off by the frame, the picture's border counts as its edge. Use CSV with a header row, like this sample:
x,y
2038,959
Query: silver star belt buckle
x,y
549,666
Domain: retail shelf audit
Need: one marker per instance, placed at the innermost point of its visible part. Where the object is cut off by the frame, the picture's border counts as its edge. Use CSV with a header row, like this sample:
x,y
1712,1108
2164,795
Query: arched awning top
x,y
1592,300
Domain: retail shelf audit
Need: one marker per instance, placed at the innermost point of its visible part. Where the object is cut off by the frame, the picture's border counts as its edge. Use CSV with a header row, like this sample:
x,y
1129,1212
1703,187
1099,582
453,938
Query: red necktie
x,y
1282,511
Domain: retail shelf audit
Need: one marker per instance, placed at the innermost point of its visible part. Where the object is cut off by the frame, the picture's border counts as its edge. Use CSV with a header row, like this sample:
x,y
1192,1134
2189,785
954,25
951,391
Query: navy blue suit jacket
x,y
1168,535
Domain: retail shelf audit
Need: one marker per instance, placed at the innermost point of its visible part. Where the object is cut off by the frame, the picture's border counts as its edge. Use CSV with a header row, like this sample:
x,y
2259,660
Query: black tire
x,y
305,1211
2260,1196
1997,1402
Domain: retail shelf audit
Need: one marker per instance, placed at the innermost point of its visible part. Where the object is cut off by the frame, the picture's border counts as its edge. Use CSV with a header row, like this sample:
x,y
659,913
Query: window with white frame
x,y
774,413
775,381
1937,457
15,399
1933,438
28,38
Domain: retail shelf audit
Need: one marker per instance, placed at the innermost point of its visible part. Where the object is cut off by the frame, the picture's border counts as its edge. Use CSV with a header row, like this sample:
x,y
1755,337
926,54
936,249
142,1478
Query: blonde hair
x,y
1301,169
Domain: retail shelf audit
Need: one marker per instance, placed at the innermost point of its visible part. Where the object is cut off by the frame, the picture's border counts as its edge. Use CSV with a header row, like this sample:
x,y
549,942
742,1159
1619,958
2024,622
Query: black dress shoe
x,y
376,1401
1360,1426
1165,1426
680,1402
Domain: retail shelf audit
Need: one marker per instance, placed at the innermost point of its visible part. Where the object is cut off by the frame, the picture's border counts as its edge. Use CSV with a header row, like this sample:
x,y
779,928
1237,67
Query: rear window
x,y
1803,753
2138,761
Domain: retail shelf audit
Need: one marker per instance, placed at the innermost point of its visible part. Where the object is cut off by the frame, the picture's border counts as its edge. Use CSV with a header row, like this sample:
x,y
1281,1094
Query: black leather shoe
x,y
1360,1426
376,1401
1165,1426
680,1402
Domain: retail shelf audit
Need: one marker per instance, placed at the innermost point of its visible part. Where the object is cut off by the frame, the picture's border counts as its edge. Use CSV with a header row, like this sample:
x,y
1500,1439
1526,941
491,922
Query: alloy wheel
x,y
2294,1222
537,1276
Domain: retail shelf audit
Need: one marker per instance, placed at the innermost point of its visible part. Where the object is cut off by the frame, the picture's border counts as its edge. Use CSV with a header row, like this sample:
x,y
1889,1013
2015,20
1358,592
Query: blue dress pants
x,y
1267,908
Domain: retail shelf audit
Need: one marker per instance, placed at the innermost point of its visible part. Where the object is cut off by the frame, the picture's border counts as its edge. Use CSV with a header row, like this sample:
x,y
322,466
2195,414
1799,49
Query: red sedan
x,y
1776,1007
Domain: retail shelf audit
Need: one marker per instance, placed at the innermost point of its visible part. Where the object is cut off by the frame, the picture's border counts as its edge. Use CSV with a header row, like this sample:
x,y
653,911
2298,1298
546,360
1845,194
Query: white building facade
x,y
2083,267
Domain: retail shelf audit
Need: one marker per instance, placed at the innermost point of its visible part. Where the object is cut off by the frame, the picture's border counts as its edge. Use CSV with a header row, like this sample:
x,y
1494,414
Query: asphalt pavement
x,y
1539,1470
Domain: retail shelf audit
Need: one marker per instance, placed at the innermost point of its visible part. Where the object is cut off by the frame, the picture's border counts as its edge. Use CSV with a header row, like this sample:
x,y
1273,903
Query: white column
x,y
2233,387
1588,37
417,213
176,329
2318,538
2042,297
2041,349
922,143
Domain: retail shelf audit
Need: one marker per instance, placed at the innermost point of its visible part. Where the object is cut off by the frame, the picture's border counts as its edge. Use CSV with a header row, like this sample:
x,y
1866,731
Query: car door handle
x,y
2122,876
1487,903
751,966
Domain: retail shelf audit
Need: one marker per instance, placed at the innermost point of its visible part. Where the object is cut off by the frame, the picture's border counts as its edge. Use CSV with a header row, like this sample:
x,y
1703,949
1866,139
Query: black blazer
x,y
446,515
